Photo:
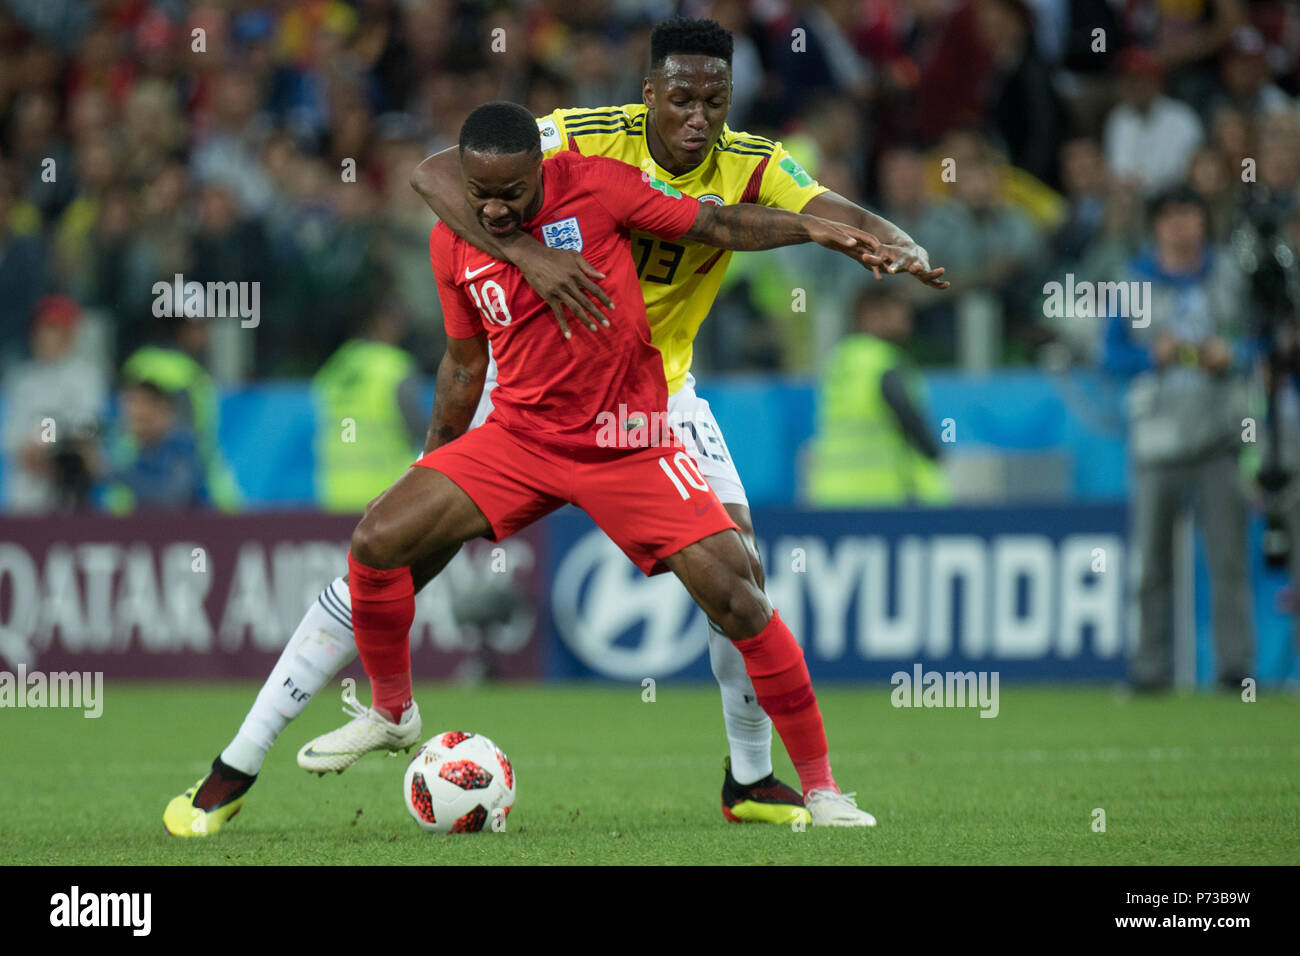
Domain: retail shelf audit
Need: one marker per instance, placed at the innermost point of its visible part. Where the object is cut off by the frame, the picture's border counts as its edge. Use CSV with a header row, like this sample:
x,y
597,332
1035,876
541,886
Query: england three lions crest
x,y
564,234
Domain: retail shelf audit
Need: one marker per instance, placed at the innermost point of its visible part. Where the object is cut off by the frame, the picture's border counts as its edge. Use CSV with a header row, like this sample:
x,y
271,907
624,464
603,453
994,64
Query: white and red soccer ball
x,y
459,782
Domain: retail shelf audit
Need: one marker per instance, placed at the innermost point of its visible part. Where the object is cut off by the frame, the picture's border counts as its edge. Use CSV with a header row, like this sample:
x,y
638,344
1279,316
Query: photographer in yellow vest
x,y
873,446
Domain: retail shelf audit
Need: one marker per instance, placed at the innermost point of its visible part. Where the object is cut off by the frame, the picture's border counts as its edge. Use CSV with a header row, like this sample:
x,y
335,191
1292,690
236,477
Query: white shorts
x,y
694,423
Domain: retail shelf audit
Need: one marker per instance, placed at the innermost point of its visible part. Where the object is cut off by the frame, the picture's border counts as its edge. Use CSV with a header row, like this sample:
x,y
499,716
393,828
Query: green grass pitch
x,y
604,777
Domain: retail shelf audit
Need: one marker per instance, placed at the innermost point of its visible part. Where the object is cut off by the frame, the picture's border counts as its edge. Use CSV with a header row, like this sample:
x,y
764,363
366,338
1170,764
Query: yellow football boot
x,y
764,801
203,808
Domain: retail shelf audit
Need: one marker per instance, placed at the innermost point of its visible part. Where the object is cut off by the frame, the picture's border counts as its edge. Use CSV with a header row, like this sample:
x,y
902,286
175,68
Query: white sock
x,y
749,729
321,646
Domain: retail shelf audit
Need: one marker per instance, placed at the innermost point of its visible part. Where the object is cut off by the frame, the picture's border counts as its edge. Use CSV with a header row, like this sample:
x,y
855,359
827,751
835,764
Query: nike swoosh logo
x,y
312,752
703,509
470,275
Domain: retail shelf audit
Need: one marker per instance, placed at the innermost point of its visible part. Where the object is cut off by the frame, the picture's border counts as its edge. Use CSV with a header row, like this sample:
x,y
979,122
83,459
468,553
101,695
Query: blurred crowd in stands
x,y
1016,140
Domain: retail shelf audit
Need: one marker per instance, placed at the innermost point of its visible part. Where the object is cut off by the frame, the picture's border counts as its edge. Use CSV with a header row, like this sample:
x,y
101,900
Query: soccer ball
x,y
459,782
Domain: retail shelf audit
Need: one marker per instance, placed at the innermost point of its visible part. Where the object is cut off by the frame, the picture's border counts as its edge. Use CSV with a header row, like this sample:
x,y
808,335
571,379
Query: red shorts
x,y
652,502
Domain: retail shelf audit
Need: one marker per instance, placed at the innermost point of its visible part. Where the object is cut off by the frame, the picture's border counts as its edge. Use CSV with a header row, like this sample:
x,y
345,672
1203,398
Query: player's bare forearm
x,y
747,227
831,205
898,252
457,390
563,279
438,181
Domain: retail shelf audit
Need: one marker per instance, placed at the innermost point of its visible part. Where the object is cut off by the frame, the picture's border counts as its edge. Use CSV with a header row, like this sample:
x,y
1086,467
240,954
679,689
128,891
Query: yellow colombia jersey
x,y
681,279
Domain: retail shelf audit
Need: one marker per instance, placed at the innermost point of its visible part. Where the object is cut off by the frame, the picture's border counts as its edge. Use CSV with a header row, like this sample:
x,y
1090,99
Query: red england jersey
x,y
549,388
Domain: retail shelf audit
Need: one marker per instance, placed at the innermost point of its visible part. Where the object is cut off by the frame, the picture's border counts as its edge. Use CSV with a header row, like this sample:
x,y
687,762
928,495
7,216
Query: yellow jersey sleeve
x,y
785,185
551,128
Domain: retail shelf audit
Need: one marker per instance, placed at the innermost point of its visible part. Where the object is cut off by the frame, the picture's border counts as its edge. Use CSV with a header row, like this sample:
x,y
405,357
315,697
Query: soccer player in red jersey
x,y
544,444
680,135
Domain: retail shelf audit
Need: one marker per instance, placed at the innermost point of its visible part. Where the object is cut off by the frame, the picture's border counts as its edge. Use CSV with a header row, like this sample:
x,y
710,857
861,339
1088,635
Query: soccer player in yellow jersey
x,y
678,136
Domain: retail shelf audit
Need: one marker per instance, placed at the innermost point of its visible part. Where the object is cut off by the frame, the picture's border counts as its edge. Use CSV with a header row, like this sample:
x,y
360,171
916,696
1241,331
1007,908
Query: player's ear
x,y
647,92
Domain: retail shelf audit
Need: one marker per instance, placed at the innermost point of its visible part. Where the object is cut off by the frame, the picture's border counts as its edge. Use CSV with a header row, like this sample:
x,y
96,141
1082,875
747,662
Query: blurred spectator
x,y
1185,36
873,445
1083,173
1186,359
1211,178
228,245
105,273
1050,20
1089,66
1247,81
173,364
402,245
1023,109
1149,137
381,47
827,144
825,62
97,173
600,72
1104,229
1123,233
53,406
547,91
161,246
153,129
1278,184
746,63
983,241
156,465
1232,134
23,276
34,139
954,69
228,153
903,199
371,416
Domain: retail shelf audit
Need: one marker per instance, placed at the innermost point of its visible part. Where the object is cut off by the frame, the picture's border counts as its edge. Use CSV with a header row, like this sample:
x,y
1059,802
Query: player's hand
x,y
1215,356
564,281
1164,350
34,458
840,237
907,258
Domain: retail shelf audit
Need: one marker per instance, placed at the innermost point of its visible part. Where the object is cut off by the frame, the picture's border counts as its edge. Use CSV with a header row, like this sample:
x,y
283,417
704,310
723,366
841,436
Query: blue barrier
x,y
266,434
267,429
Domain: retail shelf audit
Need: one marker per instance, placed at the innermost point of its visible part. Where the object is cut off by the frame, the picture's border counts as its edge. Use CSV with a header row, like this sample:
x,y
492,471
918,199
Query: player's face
x,y
504,189
688,98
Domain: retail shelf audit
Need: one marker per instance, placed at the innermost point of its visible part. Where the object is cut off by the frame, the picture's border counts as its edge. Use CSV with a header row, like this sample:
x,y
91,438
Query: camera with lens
x,y
1263,244
72,466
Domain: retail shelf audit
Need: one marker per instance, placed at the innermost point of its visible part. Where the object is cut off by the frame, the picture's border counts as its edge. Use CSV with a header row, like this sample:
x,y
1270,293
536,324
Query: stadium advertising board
x,y
208,595
1032,592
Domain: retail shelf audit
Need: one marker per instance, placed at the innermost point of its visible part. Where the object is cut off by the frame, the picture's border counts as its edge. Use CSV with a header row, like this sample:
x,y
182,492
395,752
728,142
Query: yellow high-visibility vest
x,y
362,443
860,456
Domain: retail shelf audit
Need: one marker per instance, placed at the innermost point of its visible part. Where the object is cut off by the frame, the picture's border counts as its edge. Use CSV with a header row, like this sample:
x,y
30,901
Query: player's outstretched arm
x,y
898,251
562,277
747,226
456,392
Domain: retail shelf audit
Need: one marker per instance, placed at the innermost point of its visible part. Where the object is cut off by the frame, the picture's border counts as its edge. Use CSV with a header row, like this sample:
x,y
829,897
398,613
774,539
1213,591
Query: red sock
x,y
383,607
776,667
